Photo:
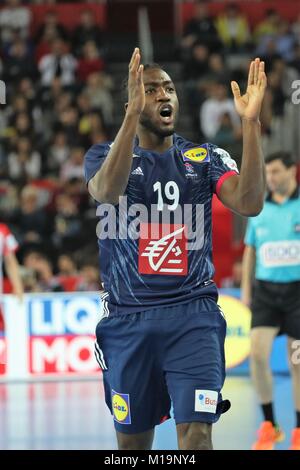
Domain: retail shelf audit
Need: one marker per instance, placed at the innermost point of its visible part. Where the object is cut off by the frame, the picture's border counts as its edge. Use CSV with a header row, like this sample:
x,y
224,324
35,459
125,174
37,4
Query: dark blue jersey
x,y
156,244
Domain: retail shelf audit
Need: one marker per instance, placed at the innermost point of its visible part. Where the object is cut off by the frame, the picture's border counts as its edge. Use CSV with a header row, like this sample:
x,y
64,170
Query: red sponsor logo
x,y
162,249
62,354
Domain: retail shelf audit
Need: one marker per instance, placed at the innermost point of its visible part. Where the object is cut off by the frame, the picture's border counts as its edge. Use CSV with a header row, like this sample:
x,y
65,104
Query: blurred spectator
x,y
76,189
73,168
214,108
233,28
9,201
217,69
285,41
287,75
58,152
268,27
68,122
295,63
59,63
51,28
24,163
98,90
228,136
31,220
20,104
90,281
68,225
47,33
296,29
280,44
26,89
91,127
21,126
29,279
83,103
200,29
196,65
66,265
87,30
55,100
41,265
14,18
90,61
19,63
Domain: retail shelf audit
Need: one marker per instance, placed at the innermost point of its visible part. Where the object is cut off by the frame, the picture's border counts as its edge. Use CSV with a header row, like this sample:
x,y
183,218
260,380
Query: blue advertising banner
x,y
54,335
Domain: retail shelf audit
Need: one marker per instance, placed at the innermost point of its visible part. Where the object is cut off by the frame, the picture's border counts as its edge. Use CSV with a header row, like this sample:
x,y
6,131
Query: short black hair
x,y
285,157
152,66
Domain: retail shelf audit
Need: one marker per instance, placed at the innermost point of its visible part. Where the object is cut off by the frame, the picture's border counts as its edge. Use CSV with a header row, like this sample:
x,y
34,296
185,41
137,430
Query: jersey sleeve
x,y
250,233
222,167
10,244
94,159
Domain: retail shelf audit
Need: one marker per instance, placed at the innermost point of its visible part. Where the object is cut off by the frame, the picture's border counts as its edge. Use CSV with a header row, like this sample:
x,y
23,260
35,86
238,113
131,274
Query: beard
x,y
148,124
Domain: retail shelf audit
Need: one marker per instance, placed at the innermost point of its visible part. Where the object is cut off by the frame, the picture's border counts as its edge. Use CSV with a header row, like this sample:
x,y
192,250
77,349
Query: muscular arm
x,y
245,193
110,182
247,273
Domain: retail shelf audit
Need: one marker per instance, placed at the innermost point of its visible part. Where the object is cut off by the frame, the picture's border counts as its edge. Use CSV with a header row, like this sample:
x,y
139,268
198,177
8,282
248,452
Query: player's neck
x,y
154,142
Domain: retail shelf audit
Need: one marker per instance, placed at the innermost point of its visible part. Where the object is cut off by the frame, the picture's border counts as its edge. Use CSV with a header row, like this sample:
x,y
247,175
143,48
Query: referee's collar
x,y
294,195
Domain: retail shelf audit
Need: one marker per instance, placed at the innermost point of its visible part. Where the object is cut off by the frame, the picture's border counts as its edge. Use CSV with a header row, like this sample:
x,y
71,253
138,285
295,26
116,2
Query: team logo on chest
x,y
162,249
190,172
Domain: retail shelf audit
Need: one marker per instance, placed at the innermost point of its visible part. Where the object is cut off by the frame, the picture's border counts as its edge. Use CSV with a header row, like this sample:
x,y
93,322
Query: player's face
x,y
161,108
279,176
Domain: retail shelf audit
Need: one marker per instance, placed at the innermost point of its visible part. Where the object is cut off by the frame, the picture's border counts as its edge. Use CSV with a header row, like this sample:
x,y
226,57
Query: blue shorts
x,y
152,358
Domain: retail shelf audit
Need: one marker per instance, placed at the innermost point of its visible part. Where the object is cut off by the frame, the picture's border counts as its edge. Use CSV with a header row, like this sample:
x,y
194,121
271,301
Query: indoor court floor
x,y
72,415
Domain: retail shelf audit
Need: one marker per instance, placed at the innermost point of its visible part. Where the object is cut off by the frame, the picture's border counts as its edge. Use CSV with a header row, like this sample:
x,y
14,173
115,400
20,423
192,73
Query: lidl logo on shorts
x,y
206,401
197,154
121,407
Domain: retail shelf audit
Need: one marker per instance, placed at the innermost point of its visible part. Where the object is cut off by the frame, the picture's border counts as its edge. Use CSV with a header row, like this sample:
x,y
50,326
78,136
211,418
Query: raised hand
x,y
136,89
249,105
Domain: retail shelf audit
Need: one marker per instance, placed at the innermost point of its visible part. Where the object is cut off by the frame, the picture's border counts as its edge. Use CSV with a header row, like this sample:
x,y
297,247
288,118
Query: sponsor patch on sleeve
x,y
196,154
226,159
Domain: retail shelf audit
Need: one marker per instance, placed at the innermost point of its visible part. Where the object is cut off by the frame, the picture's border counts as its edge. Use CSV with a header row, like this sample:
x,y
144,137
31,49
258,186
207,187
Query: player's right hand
x,y
136,89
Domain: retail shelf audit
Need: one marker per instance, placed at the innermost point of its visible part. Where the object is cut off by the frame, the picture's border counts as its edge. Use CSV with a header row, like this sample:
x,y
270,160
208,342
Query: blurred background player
x,y
8,247
273,250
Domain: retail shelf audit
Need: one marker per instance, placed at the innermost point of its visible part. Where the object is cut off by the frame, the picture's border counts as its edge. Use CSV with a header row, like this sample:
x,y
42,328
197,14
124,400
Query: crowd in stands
x,y
59,103
215,50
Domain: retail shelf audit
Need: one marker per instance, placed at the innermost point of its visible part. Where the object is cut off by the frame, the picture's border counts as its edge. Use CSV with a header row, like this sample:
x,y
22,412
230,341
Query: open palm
x,y
249,105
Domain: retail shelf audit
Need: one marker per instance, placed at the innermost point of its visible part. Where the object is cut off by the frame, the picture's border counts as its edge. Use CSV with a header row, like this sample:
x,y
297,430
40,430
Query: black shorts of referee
x,y
277,304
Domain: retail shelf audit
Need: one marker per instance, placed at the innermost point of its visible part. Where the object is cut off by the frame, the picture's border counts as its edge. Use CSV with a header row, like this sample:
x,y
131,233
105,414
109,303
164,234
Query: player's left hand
x,y
249,105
